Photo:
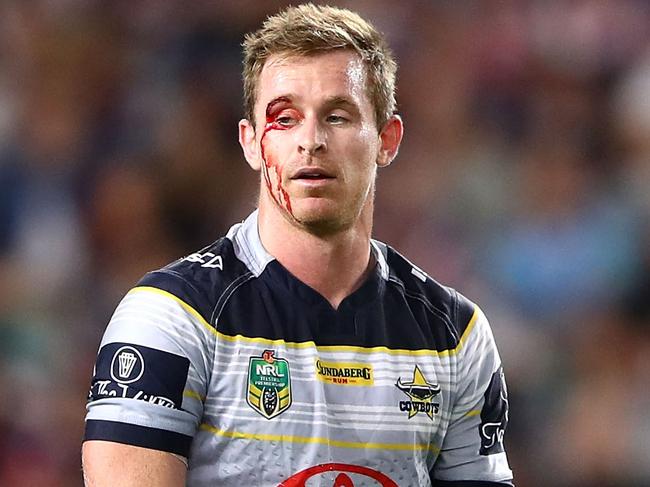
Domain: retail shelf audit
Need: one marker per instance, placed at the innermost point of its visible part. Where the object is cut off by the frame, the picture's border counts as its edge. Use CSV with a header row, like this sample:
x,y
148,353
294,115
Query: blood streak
x,y
280,195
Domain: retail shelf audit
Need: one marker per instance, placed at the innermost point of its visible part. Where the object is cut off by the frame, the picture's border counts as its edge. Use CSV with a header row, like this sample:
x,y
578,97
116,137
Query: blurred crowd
x,y
523,181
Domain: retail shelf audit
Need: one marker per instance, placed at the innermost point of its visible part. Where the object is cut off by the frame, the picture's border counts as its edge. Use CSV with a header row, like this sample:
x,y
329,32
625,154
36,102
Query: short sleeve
x,y
151,373
473,449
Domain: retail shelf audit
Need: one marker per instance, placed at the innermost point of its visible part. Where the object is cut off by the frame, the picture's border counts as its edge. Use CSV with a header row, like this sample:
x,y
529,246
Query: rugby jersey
x,y
226,358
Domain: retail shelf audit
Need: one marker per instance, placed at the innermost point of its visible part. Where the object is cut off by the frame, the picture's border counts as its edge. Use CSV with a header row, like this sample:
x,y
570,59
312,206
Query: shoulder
x,y
202,278
442,306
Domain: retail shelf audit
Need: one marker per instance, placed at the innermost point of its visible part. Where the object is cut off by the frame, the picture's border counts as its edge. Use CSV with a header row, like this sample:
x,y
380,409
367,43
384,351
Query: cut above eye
x,y
285,120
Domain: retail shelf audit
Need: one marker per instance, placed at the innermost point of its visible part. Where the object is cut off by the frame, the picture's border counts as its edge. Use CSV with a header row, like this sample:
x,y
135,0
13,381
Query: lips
x,y
312,173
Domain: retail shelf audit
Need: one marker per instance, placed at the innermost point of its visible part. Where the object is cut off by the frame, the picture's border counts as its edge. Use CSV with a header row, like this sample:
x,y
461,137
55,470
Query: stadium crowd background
x,y
523,180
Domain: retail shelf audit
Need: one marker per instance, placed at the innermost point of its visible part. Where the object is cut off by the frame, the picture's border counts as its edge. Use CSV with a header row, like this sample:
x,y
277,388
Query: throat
x,y
333,263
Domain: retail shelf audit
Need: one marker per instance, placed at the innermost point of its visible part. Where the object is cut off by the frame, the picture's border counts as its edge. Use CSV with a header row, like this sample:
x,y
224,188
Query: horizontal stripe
x,y
131,434
321,441
347,424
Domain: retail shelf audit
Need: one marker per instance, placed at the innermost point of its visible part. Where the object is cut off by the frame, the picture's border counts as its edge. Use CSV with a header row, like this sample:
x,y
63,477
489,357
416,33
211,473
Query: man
x,y
296,350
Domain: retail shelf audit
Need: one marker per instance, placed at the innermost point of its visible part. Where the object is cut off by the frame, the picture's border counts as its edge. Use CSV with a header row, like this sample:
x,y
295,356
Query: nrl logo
x,y
269,384
421,394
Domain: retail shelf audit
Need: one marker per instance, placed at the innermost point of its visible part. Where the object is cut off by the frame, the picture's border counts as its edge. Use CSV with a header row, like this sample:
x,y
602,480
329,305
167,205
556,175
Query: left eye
x,y
336,119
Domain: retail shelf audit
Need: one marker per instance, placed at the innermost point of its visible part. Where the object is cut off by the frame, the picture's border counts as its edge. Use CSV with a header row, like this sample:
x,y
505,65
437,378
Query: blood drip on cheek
x,y
279,194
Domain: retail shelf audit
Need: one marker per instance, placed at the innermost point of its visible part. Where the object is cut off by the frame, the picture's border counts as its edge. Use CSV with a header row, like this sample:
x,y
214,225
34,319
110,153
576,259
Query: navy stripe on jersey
x,y
130,434
236,302
201,279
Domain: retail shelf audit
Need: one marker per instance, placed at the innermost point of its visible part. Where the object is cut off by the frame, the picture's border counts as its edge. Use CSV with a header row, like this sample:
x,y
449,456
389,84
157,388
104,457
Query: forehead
x,y
333,74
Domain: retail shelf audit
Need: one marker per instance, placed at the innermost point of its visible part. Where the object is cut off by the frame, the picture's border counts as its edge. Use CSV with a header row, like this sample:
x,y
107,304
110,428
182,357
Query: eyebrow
x,y
332,101
341,101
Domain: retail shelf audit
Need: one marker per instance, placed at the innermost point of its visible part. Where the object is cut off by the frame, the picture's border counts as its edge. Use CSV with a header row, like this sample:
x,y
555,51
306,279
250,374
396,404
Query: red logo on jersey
x,y
268,356
342,479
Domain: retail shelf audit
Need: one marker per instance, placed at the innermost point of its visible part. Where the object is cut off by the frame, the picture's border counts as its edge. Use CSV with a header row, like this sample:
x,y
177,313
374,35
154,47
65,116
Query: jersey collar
x,y
249,249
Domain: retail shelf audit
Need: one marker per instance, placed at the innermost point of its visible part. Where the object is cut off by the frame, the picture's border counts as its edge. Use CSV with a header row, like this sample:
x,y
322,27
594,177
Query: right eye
x,y
285,121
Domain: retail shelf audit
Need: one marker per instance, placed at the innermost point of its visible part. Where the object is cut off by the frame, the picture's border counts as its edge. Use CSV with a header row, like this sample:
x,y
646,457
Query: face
x,y
315,140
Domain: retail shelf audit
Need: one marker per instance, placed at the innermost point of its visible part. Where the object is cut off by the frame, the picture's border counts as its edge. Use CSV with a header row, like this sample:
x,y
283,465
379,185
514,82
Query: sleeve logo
x,y
494,415
269,384
127,365
130,371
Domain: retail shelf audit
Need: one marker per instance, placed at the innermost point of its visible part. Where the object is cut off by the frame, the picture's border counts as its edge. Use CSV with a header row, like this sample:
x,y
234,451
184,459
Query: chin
x,y
322,220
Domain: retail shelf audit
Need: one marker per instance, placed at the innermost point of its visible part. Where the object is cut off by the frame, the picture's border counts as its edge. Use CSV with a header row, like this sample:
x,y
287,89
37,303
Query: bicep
x,y
150,376
107,464
473,449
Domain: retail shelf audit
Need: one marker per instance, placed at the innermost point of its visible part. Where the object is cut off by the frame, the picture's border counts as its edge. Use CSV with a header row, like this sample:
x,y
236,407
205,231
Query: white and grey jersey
x,y
226,358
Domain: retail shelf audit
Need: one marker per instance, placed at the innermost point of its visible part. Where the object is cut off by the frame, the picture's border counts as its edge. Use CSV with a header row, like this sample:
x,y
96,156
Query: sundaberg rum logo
x,y
345,373
269,384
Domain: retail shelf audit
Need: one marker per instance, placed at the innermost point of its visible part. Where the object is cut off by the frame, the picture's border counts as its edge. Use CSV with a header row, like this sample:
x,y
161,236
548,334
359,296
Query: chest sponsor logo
x,y
269,384
338,475
421,394
344,373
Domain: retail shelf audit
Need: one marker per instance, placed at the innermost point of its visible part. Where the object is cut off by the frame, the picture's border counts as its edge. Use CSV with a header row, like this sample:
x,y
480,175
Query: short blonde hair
x,y
310,29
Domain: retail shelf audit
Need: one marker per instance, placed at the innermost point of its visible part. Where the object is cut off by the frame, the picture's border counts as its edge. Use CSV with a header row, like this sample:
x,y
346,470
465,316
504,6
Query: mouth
x,y
312,174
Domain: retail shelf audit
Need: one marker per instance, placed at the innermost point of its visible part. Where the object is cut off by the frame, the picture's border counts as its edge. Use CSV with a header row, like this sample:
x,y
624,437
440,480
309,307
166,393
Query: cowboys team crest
x,y
421,394
269,384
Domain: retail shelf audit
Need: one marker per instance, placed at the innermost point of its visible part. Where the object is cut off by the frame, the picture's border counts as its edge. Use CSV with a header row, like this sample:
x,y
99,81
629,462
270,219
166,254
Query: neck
x,y
335,264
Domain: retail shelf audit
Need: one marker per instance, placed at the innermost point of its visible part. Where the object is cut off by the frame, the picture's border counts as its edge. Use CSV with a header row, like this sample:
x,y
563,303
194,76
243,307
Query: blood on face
x,y
271,164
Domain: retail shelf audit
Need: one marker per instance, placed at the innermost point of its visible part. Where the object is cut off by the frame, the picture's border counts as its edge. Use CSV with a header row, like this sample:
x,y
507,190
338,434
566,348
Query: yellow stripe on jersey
x,y
320,441
193,395
311,344
186,306
473,412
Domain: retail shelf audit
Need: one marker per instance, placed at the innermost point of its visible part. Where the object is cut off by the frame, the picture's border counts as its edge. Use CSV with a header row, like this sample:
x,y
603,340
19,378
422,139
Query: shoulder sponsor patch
x,y
345,373
269,384
137,372
494,415
127,365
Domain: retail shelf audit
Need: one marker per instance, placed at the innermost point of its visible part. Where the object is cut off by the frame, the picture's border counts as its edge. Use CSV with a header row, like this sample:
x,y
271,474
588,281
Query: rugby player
x,y
297,350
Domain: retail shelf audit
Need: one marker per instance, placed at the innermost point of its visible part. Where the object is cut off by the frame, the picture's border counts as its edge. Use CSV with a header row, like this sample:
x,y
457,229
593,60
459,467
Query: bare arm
x,y
108,464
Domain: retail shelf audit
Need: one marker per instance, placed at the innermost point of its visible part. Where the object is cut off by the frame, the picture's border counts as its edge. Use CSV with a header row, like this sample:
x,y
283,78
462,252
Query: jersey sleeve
x,y
473,452
151,373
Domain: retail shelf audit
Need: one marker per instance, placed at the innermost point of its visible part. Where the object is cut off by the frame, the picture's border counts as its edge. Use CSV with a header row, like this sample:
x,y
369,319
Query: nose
x,y
312,137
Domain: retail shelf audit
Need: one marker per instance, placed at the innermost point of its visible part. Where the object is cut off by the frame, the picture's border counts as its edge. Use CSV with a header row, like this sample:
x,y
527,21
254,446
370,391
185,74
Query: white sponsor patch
x,y
127,365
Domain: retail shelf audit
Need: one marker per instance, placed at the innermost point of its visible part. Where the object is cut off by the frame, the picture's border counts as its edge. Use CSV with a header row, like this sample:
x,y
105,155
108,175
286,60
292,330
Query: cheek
x,y
363,152
272,167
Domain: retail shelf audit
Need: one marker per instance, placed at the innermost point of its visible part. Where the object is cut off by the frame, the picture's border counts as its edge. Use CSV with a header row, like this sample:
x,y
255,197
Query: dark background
x,y
523,181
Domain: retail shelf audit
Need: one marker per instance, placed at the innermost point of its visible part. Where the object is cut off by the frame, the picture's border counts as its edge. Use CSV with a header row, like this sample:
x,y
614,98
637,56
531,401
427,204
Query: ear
x,y
248,144
390,138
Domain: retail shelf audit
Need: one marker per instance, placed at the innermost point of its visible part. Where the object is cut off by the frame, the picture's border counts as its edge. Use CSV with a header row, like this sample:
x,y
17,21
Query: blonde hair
x,y
310,29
